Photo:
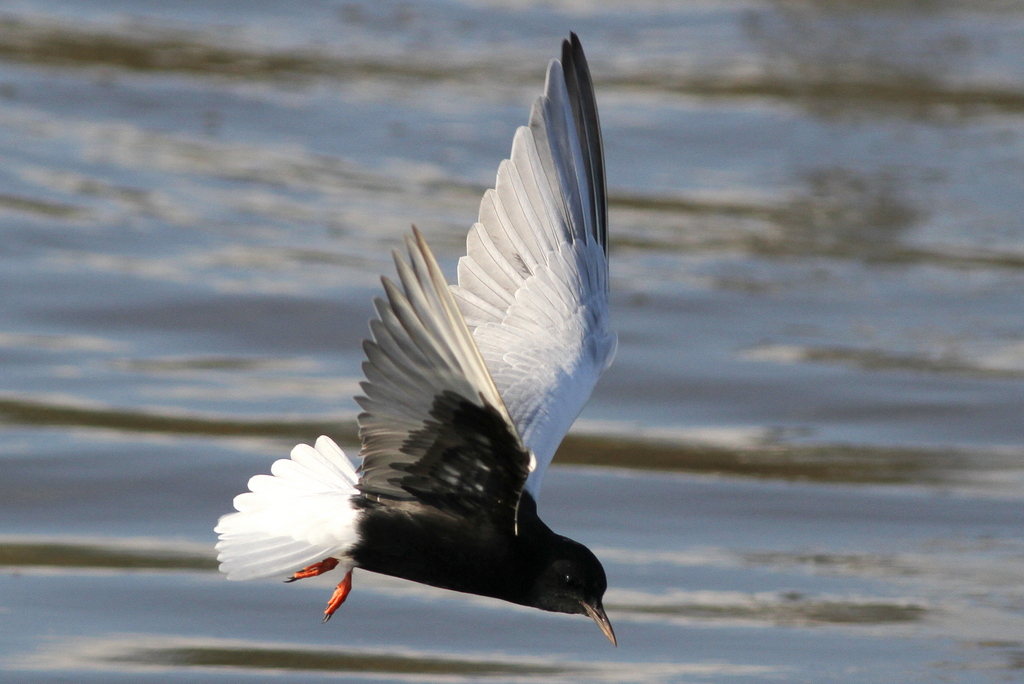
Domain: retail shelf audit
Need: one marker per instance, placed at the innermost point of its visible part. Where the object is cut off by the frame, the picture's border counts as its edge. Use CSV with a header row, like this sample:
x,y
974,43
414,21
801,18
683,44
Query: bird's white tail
x,y
299,515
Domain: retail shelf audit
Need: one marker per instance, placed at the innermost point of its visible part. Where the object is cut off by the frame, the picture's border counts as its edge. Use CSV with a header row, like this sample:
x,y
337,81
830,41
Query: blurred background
x,y
806,465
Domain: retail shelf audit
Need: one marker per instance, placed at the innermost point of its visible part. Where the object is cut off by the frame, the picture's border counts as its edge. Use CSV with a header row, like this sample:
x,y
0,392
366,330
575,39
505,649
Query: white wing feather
x,y
298,515
533,285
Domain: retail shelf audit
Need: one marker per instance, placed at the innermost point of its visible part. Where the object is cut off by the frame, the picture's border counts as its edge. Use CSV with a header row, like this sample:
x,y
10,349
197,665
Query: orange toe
x,y
326,565
339,596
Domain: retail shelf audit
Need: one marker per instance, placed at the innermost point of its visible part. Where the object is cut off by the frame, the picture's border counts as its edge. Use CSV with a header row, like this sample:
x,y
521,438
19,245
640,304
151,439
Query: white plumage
x,y
299,515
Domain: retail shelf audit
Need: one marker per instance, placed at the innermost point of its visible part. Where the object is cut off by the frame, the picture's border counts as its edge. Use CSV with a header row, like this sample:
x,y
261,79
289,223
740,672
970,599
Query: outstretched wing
x,y
533,285
434,428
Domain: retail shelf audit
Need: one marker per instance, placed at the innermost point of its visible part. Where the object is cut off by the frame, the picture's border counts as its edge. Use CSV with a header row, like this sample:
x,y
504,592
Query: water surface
x,y
806,465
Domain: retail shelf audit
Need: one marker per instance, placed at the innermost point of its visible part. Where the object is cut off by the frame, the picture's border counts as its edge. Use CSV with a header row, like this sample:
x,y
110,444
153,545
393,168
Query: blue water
x,y
806,465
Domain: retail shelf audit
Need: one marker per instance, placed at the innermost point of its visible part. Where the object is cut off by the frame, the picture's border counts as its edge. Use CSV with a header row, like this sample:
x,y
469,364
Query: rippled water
x,y
806,465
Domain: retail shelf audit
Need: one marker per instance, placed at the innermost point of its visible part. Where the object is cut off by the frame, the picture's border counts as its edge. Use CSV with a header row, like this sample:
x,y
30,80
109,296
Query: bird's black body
x,y
448,509
534,567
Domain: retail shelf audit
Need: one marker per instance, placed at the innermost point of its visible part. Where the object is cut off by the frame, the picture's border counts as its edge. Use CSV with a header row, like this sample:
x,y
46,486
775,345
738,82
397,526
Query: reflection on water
x,y
1004,362
36,206
121,556
834,212
847,214
18,412
787,608
141,653
325,661
766,455
812,462
838,59
849,57
139,46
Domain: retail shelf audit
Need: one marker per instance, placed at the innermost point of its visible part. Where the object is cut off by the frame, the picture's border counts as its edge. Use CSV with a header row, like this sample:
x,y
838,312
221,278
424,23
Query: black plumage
x,y
463,522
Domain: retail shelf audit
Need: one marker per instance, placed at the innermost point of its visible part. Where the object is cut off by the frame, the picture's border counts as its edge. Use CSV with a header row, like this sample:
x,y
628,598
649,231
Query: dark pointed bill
x,y
602,621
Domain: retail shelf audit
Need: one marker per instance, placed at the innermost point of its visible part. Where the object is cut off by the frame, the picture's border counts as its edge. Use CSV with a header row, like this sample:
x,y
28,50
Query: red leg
x,y
339,596
326,565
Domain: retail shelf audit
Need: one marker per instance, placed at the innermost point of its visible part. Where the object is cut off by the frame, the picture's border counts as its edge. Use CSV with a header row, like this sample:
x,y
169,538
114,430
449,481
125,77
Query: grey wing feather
x,y
534,282
424,374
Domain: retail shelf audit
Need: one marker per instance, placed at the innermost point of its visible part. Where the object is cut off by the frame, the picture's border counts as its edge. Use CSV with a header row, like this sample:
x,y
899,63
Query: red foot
x,y
339,596
326,565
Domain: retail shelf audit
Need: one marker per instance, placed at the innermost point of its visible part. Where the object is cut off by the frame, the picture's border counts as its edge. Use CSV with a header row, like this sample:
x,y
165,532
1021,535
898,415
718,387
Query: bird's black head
x,y
572,580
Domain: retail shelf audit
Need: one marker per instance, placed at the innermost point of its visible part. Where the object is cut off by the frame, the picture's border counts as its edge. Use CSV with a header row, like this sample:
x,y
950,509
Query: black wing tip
x,y
574,60
573,48
576,72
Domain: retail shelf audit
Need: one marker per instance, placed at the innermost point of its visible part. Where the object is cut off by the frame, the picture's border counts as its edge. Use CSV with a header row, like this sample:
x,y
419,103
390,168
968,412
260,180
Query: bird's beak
x,y
602,621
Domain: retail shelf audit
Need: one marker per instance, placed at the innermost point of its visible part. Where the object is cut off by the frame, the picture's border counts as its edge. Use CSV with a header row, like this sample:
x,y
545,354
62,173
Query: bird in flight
x,y
469,390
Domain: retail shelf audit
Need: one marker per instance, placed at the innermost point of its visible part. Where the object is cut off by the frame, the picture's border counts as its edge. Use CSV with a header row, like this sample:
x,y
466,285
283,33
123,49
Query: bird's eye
x,y
570,581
